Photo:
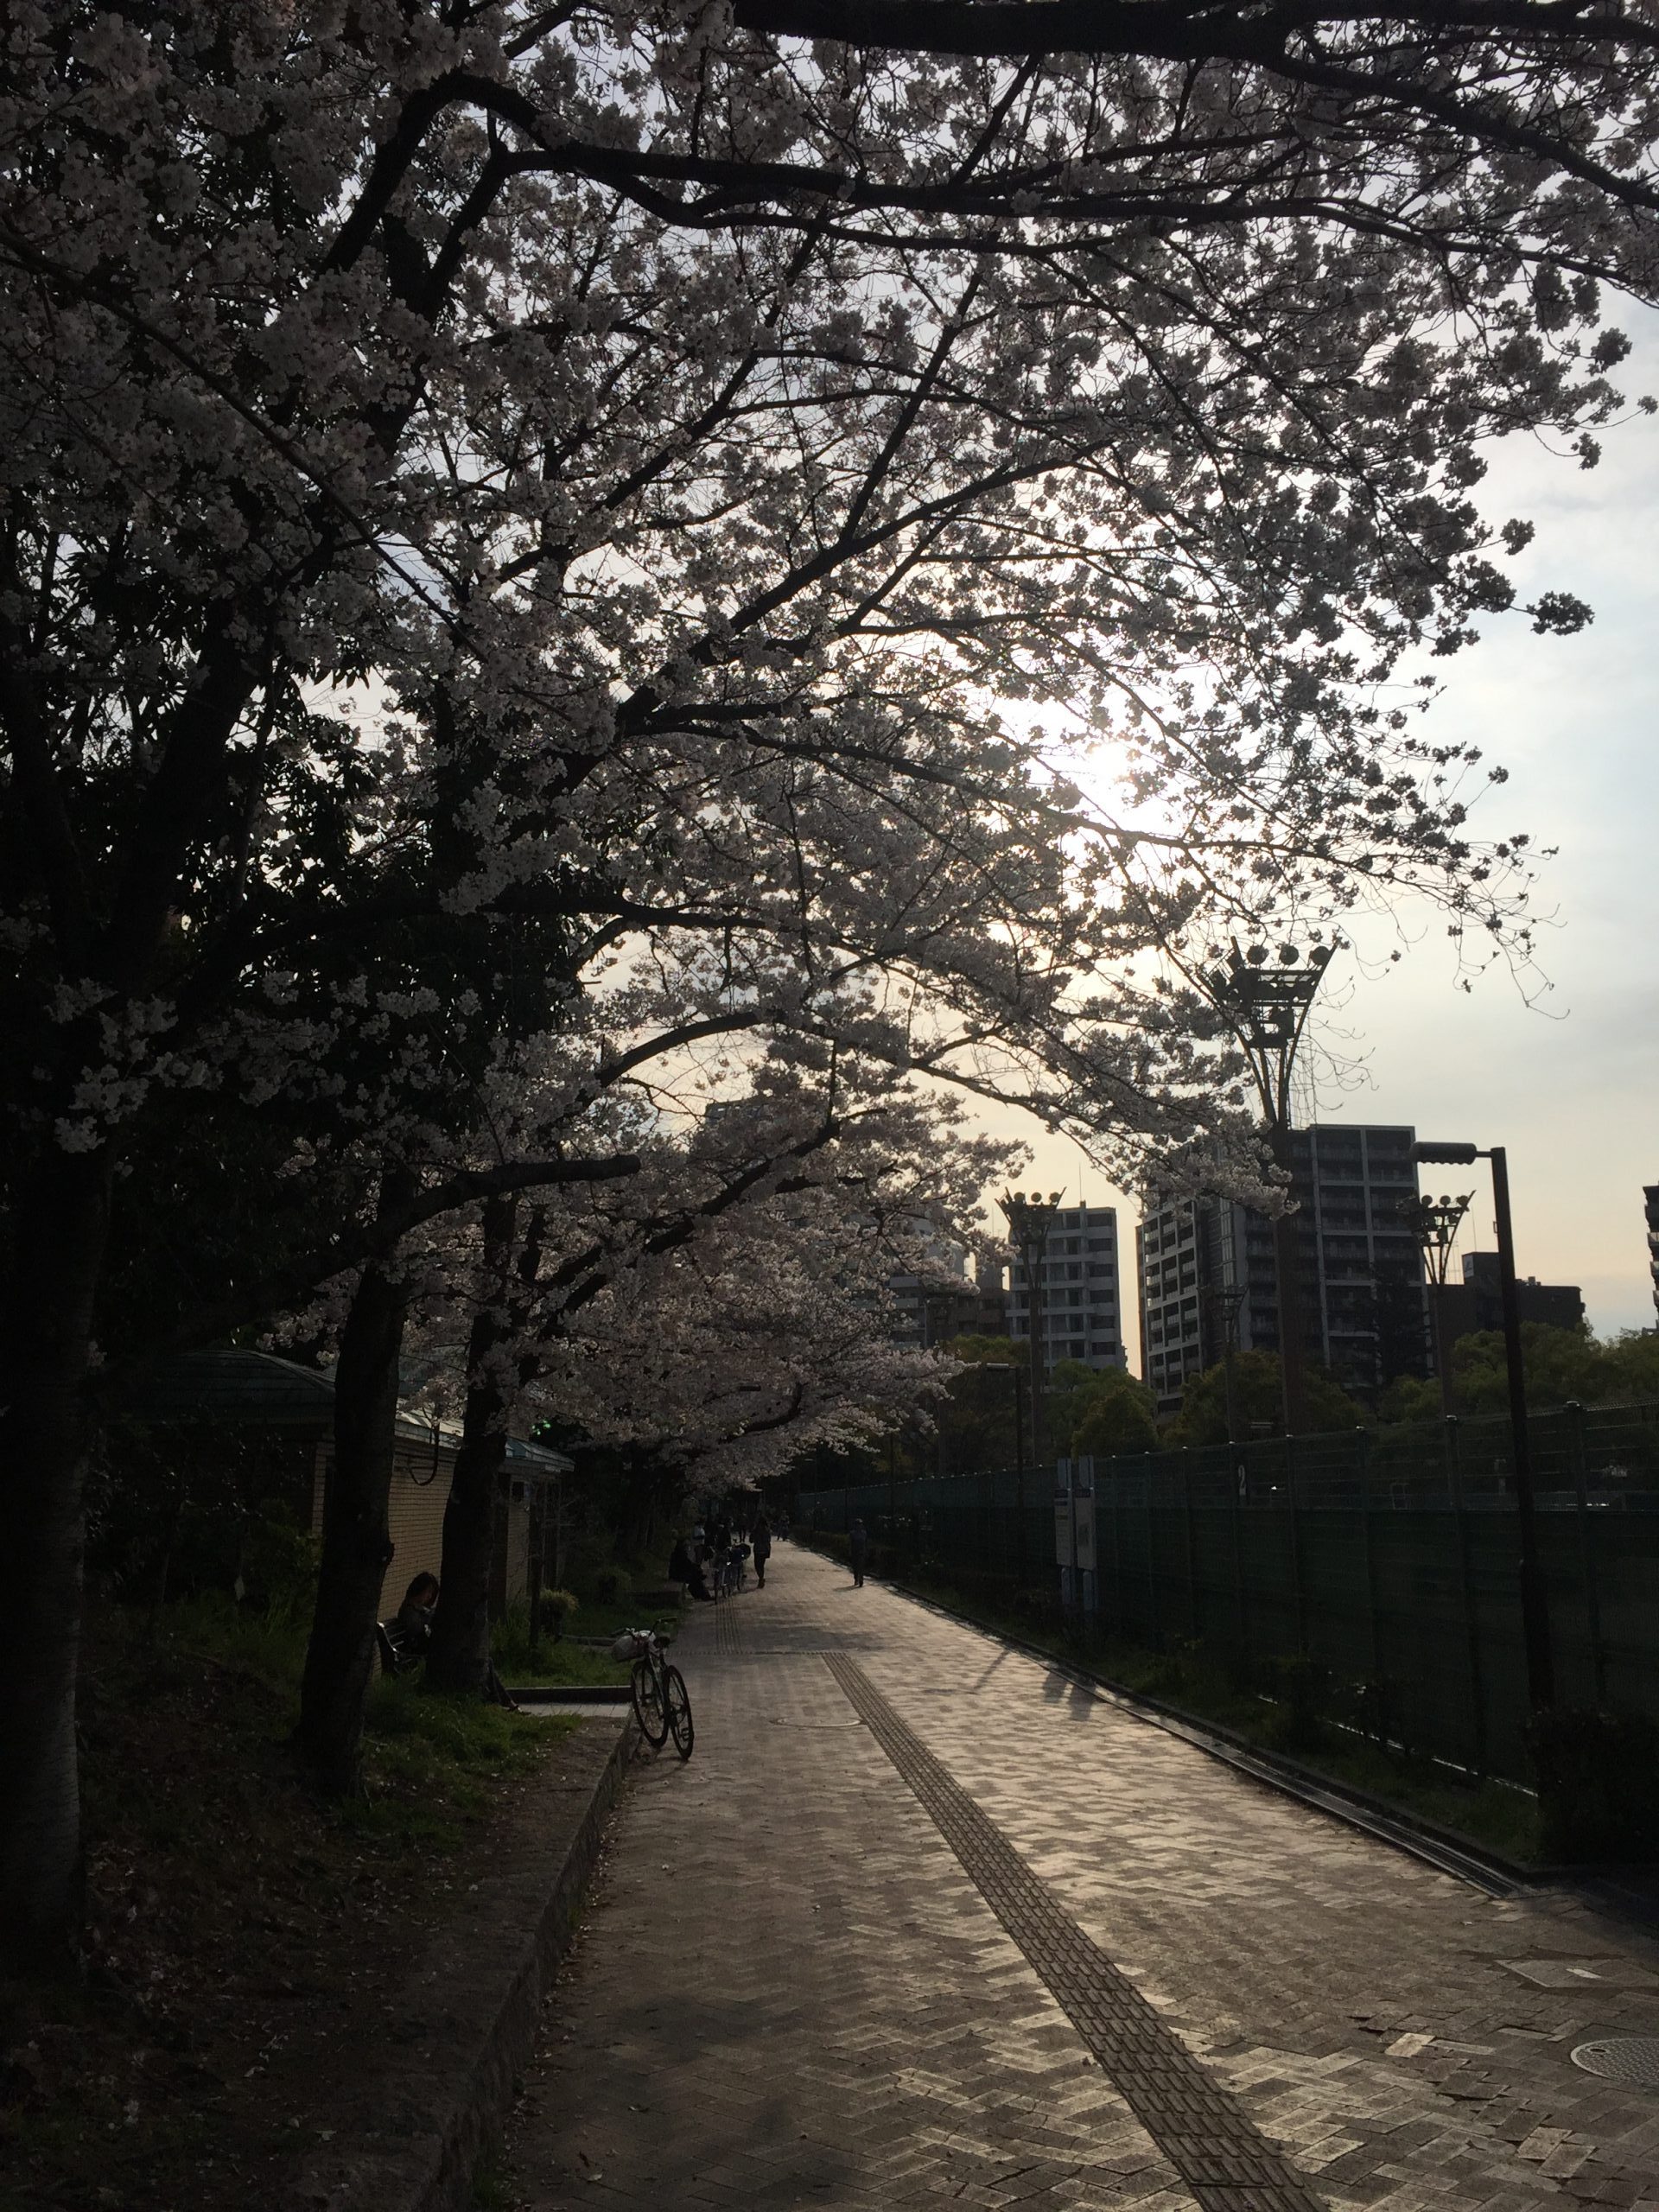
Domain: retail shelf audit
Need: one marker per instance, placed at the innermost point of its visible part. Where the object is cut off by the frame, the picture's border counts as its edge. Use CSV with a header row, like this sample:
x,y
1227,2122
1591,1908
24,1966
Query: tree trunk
x,y
59,1231
460,1656
340,1659
645,1480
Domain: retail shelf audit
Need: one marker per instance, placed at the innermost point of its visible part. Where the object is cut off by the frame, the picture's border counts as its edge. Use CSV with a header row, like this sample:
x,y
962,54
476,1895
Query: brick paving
x,y
792,1990
1203,2132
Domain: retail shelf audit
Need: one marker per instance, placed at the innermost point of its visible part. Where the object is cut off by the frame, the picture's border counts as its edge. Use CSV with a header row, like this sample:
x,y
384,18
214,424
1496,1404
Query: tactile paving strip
x,y
730,1637
1223,2158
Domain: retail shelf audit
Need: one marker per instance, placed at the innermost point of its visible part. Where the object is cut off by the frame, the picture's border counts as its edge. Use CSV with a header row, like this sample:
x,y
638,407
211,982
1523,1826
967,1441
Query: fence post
x,y
1192,1553
1297,1583
1117,1540
1366,1540
1237,1478
1155,1625
1021,1572
1470,1612
1586,1553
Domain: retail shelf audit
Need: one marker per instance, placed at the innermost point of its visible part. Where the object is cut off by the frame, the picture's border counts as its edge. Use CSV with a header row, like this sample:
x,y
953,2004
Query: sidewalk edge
x,y
453,2096
480,2112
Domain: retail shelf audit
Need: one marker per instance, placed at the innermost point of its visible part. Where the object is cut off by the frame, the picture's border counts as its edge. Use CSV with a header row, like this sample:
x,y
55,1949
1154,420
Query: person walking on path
x,y
761,1540
858,1545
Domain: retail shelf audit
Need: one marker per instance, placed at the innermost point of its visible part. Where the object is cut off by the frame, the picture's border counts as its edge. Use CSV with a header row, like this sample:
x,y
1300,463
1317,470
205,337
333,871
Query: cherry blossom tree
x,y
488,489
728,1298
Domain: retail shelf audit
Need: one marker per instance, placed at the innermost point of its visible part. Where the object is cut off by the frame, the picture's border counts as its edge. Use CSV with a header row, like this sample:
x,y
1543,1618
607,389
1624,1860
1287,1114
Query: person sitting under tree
x,y
684,1568
414,1614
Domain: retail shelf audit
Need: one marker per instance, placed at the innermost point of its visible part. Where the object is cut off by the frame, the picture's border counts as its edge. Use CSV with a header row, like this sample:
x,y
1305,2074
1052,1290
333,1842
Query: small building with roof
x,y
282,1415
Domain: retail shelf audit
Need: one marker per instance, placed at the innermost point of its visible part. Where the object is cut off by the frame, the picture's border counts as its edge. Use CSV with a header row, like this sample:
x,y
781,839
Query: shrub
x,y
1598,1783
557,1609
1304,1691
1041,1608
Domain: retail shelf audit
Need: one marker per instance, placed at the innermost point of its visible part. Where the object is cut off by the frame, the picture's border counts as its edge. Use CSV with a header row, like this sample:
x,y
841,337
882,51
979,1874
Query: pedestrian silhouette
x,y
858,1544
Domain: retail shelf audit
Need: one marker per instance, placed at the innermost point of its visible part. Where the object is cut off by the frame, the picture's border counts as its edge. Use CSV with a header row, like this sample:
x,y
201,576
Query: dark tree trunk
x,y
460,1656
646,1480
339,1660
59,1231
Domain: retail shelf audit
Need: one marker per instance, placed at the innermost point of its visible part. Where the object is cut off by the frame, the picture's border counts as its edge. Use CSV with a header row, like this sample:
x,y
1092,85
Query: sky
x,y
1570,1084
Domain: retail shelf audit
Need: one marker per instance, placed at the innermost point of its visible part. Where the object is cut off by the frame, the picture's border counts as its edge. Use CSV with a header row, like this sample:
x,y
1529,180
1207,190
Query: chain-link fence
x,y
1388,1558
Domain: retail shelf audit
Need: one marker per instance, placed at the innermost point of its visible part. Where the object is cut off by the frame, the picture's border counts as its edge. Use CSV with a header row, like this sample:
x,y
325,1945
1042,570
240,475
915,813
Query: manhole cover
x,y
1622,2058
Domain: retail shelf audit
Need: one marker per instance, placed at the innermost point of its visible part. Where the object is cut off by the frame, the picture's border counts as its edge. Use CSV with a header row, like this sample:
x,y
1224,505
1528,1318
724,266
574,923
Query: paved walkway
x,y
923,1922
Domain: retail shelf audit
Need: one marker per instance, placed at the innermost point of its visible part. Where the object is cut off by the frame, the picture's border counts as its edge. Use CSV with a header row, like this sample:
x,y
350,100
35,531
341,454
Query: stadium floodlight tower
x,y
1265,997
1434,1222
1534,1601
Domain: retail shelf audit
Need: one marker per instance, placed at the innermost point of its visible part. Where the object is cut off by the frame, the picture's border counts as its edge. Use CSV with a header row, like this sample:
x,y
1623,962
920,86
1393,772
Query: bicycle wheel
x,y
648,1708
679,1711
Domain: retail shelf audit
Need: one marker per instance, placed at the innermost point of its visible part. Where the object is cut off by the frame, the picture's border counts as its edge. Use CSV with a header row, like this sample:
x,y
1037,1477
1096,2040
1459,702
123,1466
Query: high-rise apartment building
x,y
1650,1192
1082,1316
931,1311
1205,1265
947,1301
1476,1305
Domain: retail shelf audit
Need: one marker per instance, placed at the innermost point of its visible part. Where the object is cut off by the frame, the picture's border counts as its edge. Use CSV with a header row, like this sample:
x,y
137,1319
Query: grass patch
x,y
428,1760
581,1655
240,1934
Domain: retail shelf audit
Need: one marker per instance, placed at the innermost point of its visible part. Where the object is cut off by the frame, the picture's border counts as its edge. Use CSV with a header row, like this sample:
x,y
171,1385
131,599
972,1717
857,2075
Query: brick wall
x,y
416,1518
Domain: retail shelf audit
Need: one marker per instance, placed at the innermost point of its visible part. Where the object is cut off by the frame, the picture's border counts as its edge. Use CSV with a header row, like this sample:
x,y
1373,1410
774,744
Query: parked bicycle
x,y
661,1704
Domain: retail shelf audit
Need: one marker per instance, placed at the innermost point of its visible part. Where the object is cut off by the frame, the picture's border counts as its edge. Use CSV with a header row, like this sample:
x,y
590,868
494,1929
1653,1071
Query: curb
x,y
573,1693
443,2074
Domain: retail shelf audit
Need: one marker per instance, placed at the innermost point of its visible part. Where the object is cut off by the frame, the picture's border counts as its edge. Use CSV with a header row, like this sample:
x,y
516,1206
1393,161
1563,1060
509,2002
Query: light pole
x,y
1535,1604
1019,1477
1265,999
1030,1220
1435,1222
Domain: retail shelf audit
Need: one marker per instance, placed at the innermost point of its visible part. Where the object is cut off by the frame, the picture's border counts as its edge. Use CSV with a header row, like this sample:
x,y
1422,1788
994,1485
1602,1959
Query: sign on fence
x,y
1074,1533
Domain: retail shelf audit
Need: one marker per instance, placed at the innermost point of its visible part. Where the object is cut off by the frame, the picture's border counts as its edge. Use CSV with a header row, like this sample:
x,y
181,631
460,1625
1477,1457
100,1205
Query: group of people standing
x,y
702,1559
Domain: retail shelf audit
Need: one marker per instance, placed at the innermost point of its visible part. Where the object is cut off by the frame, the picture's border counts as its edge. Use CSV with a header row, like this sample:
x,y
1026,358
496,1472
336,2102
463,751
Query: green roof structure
x,y
256,1389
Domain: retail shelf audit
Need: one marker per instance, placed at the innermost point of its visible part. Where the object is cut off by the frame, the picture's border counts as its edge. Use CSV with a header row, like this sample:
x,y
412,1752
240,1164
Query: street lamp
x,y
1434,1222
1030,1220
1535,1605
1266,997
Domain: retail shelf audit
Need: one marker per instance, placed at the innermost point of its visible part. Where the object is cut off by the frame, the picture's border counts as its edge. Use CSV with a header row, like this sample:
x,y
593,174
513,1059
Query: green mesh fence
x,y
1389,1557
